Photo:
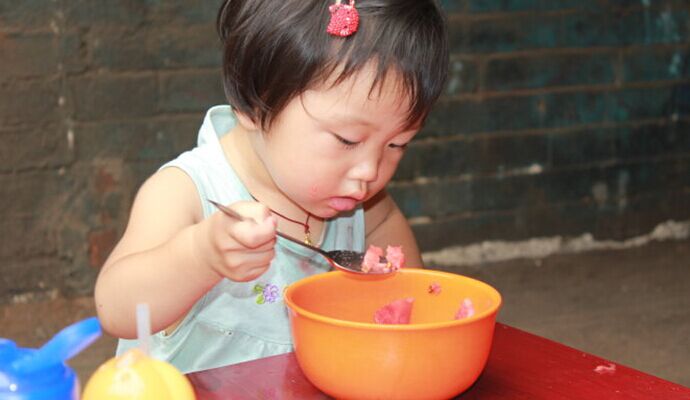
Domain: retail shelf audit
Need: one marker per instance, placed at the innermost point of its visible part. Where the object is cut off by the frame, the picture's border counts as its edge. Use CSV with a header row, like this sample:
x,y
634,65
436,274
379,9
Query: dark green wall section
x,y
559,118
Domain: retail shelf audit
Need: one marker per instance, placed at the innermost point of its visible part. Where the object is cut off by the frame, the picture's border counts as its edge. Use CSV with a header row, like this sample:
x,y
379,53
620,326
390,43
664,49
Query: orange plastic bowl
x,y
344,353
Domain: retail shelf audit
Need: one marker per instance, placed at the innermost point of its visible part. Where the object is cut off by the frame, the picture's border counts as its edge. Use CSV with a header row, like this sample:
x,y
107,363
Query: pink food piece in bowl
x,y
434,288
395,312
466,309
399,311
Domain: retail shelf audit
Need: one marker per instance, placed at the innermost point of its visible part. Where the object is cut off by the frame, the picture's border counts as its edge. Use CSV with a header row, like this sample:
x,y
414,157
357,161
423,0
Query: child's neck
x,y
239,148
241,154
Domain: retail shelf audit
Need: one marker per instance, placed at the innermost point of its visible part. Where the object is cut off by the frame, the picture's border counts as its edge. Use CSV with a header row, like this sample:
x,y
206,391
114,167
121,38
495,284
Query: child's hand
x,y
238,250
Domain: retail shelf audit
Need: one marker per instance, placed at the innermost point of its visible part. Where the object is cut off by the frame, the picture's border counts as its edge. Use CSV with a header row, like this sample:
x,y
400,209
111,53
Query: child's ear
x,y
246,122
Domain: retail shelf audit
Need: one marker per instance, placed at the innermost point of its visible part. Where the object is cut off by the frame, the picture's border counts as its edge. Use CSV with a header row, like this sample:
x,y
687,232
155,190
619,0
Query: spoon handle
x,y
233,214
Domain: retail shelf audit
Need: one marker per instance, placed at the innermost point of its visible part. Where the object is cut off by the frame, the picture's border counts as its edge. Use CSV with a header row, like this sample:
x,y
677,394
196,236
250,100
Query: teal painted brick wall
x,y
558,118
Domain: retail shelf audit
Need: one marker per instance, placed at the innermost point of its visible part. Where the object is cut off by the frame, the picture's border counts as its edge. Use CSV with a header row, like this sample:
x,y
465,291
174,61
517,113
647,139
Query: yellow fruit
x,y
135,376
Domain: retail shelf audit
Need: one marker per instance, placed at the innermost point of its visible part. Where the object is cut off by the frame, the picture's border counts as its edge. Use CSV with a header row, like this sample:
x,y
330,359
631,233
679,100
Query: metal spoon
x,y
343,260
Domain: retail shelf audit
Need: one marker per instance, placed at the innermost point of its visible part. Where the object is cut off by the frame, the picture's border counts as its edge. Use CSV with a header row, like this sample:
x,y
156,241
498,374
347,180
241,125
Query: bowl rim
x,y
493,310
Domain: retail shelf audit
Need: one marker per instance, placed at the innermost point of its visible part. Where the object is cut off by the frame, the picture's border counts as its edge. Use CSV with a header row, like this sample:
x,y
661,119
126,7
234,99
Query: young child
x,y
323,98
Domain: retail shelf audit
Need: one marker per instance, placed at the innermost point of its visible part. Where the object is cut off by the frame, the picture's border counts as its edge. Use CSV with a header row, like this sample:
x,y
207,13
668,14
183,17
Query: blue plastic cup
x,y
41,374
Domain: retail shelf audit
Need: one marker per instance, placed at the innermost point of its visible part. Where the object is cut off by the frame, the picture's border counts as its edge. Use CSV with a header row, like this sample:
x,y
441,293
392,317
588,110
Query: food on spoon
x,y
395,312
466,309
372,259
395,257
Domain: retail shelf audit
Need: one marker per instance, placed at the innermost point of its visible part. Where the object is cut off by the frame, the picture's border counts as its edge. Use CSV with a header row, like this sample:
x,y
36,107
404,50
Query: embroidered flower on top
x,y
267,293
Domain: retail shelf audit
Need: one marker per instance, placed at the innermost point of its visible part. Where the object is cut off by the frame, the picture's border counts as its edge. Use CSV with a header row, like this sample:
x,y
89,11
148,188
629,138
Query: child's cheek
x,y
314,191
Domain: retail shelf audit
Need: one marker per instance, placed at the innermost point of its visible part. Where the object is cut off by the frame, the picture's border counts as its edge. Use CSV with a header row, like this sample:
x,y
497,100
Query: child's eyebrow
x,y
363,122
342,118
353,119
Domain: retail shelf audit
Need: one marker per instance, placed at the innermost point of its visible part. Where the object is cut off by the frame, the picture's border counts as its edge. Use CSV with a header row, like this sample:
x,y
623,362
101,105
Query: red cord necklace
x,y
305,224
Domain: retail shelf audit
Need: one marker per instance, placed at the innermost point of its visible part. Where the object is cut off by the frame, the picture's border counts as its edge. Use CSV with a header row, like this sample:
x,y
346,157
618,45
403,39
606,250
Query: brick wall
x,y
94,96
560,117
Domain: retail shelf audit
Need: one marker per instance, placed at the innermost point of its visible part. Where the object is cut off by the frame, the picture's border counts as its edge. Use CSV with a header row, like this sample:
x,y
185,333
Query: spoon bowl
x,y
349,261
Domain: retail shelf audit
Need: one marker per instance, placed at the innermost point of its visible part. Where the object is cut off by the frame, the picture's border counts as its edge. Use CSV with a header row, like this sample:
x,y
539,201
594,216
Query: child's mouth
x,y
342,203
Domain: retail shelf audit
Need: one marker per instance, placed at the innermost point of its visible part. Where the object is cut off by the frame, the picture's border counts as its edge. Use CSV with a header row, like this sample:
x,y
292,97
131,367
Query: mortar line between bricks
x,y
98,73
427,220
565,51
158,117
16,30
465,17
611,162
468,16
139,73
546,131
56,168
610,87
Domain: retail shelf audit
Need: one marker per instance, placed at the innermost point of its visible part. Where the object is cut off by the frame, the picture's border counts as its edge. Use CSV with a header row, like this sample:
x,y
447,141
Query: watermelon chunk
x,y
466,309
395,257
395,312
372,259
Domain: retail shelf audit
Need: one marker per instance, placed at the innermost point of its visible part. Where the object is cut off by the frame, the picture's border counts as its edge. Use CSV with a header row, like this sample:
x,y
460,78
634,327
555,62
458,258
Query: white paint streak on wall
x,y
676,64
70,139
668,26
536,248
600,192
455,77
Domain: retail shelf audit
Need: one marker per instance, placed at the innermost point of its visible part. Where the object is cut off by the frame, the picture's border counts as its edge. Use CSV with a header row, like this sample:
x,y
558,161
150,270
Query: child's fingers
x,y
252,210
253,235
268,246
245,260
247,265
257,230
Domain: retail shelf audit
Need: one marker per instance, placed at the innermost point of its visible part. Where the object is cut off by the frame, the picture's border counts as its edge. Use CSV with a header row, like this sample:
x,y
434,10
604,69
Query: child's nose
x,y
366,170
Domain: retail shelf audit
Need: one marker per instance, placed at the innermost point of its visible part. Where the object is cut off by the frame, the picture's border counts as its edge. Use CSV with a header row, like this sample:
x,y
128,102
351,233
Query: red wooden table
x,y
521,366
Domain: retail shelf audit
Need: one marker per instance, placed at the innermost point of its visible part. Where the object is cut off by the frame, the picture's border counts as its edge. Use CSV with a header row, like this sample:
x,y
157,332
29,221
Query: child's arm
x,y
169,256
386,225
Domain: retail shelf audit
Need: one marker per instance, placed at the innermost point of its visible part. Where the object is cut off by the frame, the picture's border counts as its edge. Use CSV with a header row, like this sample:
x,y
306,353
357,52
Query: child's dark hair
x,y
275,50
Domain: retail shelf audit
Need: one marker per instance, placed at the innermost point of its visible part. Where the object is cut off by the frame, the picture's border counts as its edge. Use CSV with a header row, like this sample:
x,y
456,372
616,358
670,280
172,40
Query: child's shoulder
x,y
378,208
167,184
165,203
203,164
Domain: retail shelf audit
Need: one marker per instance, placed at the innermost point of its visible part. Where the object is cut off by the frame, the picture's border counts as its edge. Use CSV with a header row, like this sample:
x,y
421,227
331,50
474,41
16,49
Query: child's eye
x,y
348,143
398,146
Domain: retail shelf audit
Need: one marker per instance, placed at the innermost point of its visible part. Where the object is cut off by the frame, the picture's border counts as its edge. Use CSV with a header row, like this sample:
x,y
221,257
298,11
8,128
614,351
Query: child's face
x,y
333,148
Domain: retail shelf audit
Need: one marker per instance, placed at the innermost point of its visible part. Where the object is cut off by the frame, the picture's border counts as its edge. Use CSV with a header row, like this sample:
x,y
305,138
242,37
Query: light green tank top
x,y
241,321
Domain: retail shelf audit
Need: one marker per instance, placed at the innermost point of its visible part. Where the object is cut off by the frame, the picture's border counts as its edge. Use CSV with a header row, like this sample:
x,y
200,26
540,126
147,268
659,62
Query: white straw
x,y
143,327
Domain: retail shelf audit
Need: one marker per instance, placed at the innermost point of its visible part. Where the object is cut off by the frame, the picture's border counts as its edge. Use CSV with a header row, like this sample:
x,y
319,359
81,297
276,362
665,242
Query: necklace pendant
x,y
307,240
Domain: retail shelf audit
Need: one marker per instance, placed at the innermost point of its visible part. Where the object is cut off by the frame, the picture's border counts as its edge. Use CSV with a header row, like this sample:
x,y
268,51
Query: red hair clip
x,y
344,19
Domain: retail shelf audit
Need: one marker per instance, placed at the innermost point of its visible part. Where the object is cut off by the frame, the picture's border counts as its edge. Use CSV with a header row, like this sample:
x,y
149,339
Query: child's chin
x,y
327,213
